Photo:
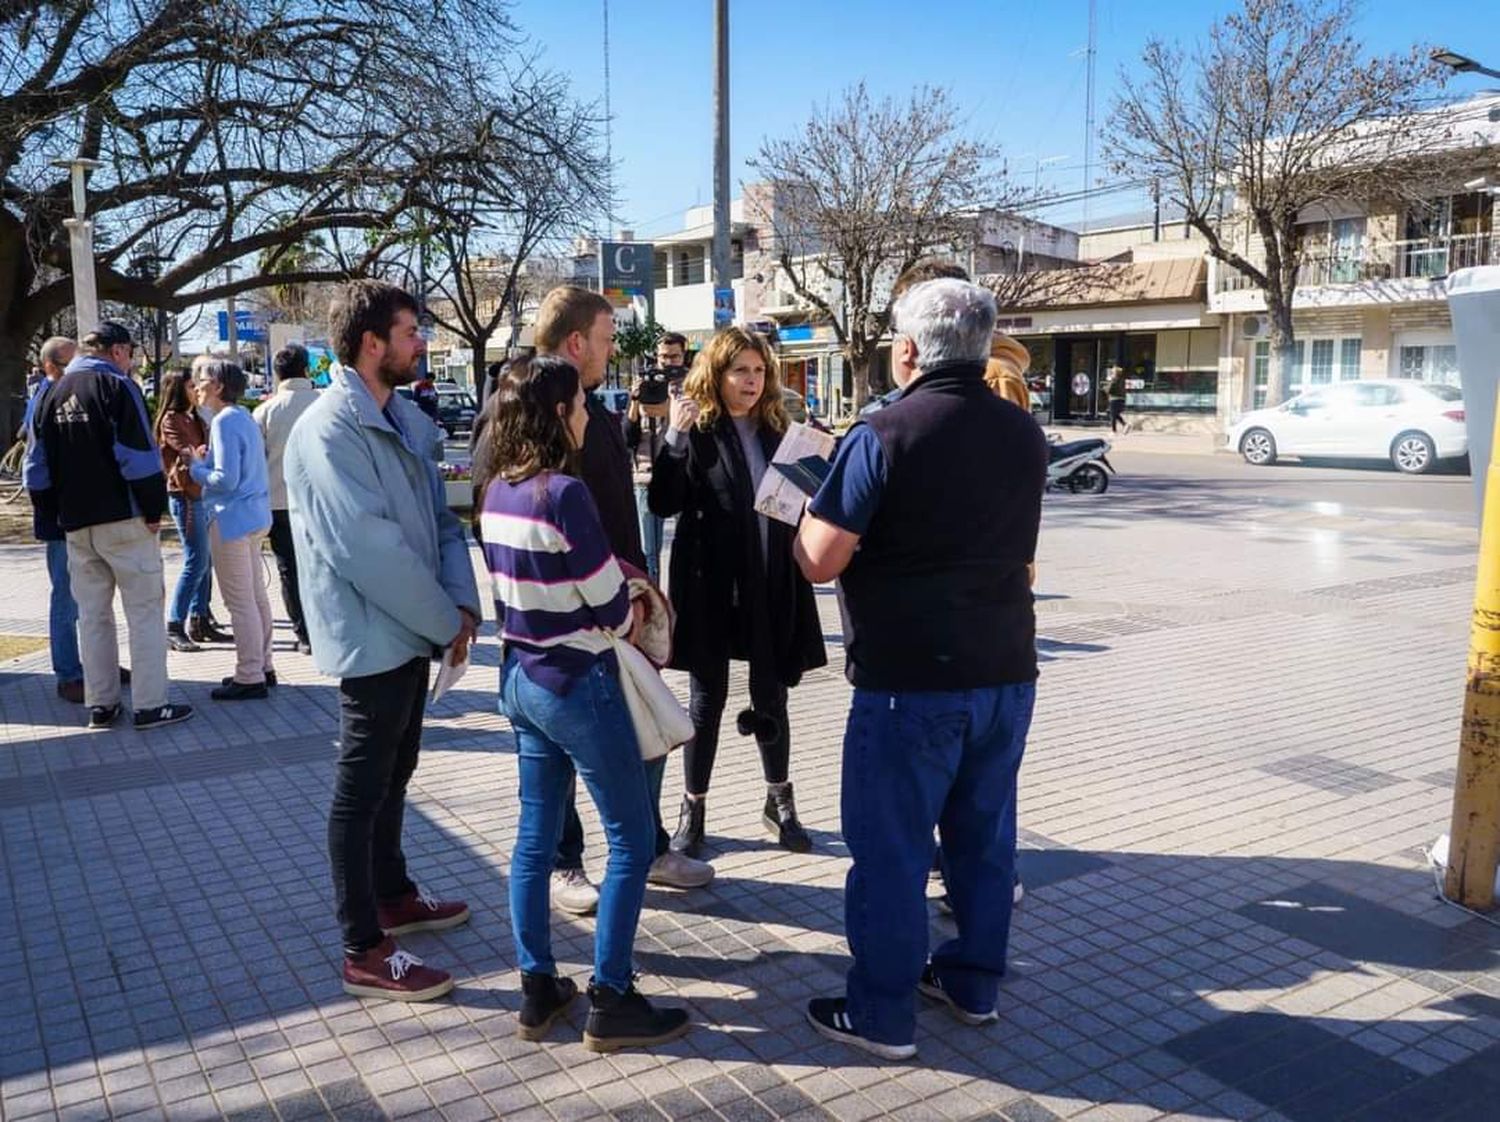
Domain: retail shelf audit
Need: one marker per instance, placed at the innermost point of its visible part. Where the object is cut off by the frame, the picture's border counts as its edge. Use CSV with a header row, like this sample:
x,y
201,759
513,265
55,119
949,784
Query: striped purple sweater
x,y
558,588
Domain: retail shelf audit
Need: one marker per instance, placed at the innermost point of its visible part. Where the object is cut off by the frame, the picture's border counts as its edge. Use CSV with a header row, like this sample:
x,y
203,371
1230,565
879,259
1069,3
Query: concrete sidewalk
x,y
1247,724
1155,443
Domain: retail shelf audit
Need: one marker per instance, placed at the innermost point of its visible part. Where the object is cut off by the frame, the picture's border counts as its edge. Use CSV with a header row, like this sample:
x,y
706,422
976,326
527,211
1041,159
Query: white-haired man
x,y
941,493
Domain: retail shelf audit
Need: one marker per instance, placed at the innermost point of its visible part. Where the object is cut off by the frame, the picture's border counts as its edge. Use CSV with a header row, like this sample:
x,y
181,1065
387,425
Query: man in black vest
x,y
929,518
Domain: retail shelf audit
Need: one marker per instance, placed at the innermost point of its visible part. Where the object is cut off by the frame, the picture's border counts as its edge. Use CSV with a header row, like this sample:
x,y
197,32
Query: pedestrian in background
x,y
181,432
293,397
1117,399
561,598
62,615
237,499
93,467
737,593
929,518
388,585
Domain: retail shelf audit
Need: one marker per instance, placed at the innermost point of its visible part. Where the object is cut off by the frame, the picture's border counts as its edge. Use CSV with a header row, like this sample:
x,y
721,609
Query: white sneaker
x,y
677,870
572,892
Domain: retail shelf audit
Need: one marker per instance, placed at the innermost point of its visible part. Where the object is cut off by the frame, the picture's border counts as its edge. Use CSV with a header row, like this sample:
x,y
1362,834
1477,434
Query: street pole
x,y
1474,835
81,246
721,276
229,311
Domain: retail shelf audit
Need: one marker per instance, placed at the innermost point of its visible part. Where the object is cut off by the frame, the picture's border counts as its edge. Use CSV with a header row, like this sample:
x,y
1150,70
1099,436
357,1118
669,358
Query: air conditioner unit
x,y
1255,327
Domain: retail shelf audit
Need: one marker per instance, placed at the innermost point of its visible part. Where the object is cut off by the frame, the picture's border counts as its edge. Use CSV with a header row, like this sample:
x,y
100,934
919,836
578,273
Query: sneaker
x,y
780,819
572,892
389,972
677,870
932,986
417,911
239,691
688,839
71,692
544,998
270,680
627,1020
103,716
165,715
304,647
830,1017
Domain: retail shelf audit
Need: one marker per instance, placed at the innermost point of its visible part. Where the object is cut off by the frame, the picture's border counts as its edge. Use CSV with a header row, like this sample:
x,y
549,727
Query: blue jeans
x,y
652,530
62,619
191,597
912,761
589,730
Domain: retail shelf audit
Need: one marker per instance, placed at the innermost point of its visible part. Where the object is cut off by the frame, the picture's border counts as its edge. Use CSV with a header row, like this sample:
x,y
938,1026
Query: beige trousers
x,y
242,584
123,555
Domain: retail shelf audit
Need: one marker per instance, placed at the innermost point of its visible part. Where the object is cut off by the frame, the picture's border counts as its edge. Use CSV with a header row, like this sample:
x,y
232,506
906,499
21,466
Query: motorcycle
x,y
1075,464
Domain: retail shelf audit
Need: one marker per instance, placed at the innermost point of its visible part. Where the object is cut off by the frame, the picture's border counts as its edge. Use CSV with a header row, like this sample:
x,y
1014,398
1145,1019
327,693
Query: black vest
x,y
937,595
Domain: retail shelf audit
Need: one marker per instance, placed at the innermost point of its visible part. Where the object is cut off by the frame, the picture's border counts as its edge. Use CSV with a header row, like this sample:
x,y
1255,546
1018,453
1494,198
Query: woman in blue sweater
x,y
563,603
237,497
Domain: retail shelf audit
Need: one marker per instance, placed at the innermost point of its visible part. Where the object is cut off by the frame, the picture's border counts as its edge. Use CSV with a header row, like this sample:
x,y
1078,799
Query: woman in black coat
x,y
736,590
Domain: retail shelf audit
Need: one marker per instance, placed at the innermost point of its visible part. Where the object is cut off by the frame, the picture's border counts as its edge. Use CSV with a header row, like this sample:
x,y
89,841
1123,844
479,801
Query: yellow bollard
x,y
1474,837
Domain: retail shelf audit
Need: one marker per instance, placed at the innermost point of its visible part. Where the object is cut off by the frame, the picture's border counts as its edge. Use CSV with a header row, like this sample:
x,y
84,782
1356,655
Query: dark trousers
x,y
1117,414
380,734
570,844
912,761
707,694
286,565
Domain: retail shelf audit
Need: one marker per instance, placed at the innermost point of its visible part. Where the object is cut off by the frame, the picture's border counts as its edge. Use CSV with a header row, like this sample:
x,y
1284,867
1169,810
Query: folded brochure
x,y
785,490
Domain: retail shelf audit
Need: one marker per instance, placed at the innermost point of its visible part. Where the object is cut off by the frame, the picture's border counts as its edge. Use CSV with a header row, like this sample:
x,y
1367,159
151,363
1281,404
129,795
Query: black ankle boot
x,y
544,998
627,1020
203,629
688,839
177,639
781,819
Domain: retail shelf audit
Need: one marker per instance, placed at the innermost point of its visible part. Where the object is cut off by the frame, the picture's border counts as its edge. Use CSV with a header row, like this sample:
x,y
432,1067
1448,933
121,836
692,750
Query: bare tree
x,y
225,131
537,183
864,191
1278,111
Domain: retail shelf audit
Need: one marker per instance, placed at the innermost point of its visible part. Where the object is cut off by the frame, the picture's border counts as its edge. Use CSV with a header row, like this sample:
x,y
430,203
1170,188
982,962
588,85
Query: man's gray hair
x,y
57,346
948,320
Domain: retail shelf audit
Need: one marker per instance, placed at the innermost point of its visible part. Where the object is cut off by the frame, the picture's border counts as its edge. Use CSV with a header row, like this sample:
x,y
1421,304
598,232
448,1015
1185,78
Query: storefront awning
x,y
1136,282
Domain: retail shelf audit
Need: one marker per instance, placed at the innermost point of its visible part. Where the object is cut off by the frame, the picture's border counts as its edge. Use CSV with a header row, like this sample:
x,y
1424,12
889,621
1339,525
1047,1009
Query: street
x,y
1246,726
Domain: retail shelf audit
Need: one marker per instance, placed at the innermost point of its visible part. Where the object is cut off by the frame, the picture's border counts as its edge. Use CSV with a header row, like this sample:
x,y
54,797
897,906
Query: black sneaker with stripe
x,y
162,715
830,1017
103,716
932,986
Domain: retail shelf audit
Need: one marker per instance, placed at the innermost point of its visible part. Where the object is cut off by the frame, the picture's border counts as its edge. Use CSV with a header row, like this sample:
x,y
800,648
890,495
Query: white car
x,y
1412,424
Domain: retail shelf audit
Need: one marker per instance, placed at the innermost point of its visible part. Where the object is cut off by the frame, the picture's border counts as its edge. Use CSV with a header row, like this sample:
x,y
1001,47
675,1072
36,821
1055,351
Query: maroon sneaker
x,y
388,971
417,911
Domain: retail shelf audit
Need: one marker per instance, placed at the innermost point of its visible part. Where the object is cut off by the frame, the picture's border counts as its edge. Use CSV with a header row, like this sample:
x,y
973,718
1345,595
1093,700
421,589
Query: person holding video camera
x,y
646,431
734,586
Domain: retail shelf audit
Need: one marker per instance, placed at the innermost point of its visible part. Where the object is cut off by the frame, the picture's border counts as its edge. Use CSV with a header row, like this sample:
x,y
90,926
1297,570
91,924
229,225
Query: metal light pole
x,y
229,309
81,245
1461,64
721,276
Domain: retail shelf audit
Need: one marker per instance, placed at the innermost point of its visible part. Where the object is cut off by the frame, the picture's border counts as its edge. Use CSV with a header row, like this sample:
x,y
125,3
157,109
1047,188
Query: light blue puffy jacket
x,y
383,563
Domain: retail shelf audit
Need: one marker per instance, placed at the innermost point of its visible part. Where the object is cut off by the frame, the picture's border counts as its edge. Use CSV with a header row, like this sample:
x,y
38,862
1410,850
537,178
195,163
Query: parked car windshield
x,y
1442,392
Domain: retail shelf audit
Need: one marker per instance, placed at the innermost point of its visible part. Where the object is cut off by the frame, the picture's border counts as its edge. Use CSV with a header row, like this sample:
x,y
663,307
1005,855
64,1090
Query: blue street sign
x,y
247,328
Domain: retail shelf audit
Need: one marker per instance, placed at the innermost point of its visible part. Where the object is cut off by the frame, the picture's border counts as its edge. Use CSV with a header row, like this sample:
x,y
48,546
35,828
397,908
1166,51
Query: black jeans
x,y
707,695
380,734
286,565
570,846
1117,414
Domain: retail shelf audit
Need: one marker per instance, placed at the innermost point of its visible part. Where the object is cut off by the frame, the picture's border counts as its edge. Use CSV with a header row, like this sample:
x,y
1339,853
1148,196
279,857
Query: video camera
x,y
655,384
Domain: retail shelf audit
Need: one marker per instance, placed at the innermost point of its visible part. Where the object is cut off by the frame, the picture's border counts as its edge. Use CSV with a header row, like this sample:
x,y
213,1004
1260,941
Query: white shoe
x,y
1019,892
572,892
677,870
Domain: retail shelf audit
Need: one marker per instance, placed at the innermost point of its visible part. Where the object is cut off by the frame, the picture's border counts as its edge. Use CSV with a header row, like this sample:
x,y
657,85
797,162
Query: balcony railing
x,y
1421,258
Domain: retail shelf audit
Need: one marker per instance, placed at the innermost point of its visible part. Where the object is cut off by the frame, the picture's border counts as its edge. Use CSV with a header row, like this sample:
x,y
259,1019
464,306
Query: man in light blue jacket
x,y
387,585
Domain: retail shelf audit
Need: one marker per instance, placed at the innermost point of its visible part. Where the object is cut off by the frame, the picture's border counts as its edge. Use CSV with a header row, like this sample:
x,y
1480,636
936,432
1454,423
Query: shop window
x,y
1173,371
1429,363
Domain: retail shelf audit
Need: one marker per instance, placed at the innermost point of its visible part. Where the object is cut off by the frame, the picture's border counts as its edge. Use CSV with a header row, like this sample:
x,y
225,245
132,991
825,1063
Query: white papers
x,y
448,674
778,497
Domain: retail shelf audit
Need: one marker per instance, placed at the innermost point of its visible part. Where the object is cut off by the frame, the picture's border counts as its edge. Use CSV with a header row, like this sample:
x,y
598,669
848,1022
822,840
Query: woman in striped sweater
x,y
562,602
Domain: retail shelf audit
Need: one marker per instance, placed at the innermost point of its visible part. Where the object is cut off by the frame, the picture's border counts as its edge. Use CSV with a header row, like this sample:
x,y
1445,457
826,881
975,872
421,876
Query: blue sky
x,y
1016,68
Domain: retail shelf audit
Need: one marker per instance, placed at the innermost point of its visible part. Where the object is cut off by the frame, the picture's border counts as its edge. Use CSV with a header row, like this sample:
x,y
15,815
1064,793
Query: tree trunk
x,y
1283,370
478,344
12,386
859,369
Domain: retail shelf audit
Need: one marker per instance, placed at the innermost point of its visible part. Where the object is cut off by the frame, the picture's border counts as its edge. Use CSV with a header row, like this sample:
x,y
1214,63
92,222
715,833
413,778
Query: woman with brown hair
x,y
737,592
179,430
1005,373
